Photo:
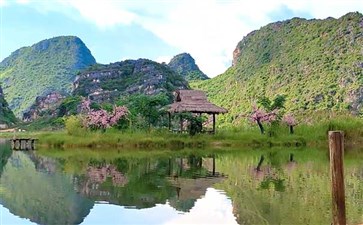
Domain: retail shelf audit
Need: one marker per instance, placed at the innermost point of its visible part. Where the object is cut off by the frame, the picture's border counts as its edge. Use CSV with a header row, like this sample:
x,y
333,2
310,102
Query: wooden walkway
x,y
23,143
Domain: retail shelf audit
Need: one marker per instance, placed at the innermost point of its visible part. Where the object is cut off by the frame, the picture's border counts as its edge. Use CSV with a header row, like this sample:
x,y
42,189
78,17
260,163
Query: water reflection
x,y
41,196
42,190
270,186
212,208
144,183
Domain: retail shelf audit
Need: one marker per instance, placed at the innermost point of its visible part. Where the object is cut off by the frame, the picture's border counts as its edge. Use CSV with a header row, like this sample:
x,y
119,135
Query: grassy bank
x,y
304,135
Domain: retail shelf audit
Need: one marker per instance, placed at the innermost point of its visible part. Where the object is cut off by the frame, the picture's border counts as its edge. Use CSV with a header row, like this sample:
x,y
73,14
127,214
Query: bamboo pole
x,y
336,147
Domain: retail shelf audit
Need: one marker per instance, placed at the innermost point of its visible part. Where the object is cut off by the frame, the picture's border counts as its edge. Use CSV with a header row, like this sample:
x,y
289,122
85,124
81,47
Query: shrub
x,y
74,125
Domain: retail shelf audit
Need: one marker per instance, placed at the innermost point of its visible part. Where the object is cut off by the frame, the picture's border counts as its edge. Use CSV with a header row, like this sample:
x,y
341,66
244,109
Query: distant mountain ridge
x,y
46,67
184,64
316,64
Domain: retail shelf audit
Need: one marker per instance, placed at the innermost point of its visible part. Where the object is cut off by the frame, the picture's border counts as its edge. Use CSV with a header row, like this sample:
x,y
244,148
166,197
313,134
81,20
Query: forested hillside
x,y
316,64
48,66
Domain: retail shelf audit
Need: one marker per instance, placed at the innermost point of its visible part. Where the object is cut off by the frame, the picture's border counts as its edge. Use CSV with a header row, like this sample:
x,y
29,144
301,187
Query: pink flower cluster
x,y
260,115
101,118
289,120
86,105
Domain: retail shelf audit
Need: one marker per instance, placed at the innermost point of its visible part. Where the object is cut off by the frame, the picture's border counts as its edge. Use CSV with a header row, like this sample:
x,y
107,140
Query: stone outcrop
x,y
44,106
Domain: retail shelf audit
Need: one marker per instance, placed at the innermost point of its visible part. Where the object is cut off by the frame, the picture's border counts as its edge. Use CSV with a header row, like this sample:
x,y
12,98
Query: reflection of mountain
x,y
5,153
42,197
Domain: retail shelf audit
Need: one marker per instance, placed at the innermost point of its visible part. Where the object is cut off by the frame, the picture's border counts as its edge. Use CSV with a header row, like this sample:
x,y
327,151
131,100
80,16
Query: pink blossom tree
x,y
290,121
101,119
260,115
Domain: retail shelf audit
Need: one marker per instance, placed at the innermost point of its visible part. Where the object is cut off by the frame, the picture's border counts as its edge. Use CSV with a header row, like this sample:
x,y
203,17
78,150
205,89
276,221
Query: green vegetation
x,y
304,135
316,64
48,66
145,111
184,64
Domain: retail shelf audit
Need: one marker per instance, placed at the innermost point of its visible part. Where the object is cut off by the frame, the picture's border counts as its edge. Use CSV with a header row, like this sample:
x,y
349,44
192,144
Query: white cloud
x,y
103,13
3,3
208,29
23,2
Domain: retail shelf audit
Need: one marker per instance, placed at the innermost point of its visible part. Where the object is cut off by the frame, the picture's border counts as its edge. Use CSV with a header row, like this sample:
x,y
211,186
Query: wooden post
x,y
181,123
336,147
170,167
214,123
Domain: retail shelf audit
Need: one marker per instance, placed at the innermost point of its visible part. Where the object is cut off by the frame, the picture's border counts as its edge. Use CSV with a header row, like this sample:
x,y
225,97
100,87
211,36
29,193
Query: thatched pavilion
x,y
193,101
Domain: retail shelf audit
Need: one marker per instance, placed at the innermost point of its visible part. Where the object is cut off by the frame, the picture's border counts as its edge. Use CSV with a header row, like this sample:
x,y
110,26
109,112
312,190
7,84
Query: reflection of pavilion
x,y
191,178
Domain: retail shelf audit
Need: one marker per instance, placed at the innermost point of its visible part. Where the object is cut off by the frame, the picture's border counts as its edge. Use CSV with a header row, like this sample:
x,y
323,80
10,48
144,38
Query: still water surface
x,y
291,186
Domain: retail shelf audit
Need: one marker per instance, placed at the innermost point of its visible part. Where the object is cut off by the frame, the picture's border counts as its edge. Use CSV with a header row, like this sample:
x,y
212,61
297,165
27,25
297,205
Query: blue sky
x,y
115,30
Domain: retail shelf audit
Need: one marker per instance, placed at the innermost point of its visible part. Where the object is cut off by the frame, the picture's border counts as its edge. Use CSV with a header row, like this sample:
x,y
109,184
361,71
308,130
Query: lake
x,y
222,186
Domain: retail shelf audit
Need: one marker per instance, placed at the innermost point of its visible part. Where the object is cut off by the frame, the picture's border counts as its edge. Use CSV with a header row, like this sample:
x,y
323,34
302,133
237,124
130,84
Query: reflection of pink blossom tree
x,y
259,115
101,118
290,121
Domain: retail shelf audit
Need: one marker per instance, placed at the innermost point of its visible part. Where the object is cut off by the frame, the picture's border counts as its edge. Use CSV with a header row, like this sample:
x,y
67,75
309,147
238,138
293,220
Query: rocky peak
x,y
107,82
184,64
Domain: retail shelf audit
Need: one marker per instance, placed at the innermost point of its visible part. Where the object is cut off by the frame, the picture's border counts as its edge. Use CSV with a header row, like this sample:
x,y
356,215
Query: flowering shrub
x,y
101,119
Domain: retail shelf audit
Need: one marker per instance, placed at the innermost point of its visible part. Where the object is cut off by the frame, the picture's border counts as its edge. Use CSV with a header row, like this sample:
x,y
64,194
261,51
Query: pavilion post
x,y
214,165
214,123
169,116
181,123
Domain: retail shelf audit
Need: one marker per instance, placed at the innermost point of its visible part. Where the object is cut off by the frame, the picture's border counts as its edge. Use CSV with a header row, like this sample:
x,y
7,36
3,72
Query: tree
x,y
277,103
144,109
259,115
269,111
290,121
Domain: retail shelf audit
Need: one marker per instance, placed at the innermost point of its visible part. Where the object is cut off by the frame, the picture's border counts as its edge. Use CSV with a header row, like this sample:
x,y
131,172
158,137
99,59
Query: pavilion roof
x,y
194,101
